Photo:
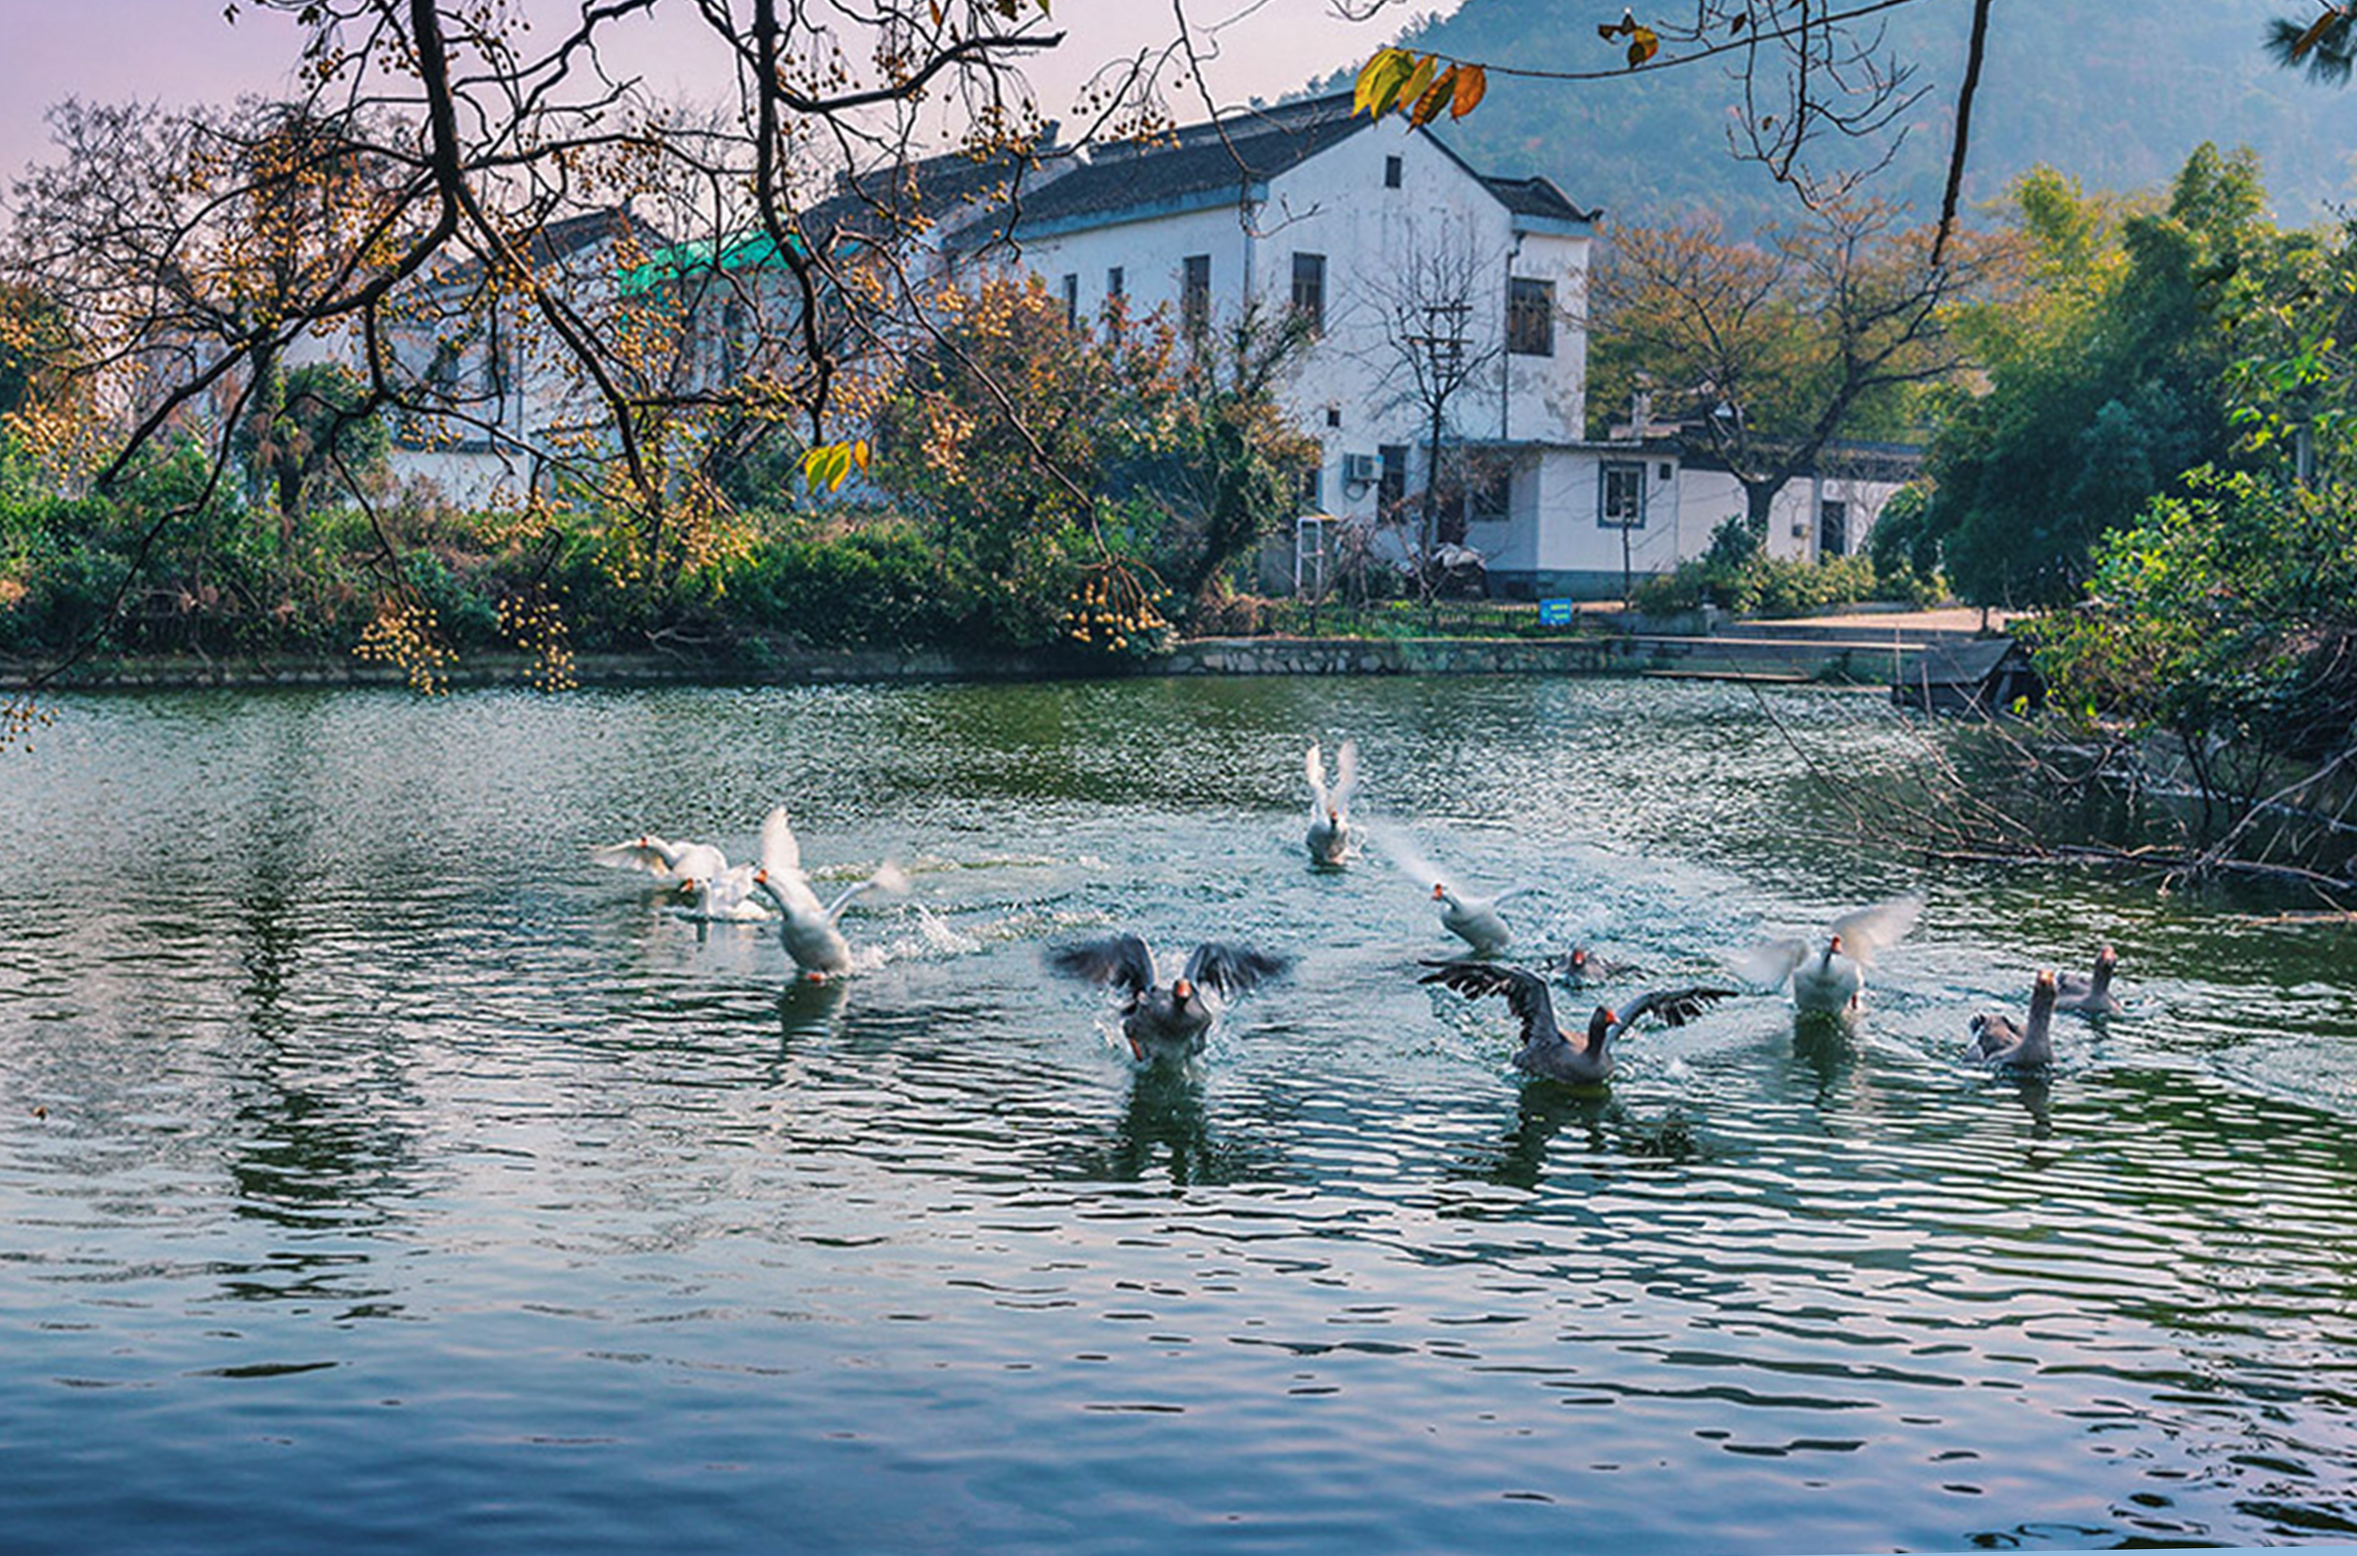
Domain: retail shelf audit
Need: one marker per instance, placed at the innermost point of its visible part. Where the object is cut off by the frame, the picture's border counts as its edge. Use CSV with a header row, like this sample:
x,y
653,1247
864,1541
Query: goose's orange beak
x,y
1181,989
1438,891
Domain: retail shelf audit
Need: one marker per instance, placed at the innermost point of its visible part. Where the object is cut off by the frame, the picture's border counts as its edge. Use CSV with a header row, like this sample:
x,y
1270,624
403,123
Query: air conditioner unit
x,y
1358,469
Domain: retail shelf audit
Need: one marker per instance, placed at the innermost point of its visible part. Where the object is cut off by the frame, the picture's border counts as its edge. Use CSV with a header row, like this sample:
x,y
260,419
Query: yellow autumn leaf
x,y
1643,45
1428,104
1420,79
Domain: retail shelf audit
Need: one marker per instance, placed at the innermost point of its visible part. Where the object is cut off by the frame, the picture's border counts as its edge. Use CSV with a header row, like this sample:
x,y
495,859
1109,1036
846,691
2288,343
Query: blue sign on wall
x,y
1556,613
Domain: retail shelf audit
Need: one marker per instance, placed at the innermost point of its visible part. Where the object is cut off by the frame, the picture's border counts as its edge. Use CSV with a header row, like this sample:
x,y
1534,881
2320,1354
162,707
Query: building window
x,y
1313,487
1833,529
1620,497
1333,415
1391,170
1391,488
1195,294
1309,290
1530,317
1113,282
1072,299
1489,495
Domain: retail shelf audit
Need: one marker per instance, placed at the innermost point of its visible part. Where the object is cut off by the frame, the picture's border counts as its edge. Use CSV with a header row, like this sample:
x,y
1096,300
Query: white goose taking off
x,y
807,927
1830,975
1330,839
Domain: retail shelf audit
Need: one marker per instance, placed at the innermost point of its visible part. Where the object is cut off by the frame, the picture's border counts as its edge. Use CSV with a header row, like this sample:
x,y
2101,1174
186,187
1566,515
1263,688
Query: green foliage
x,y
2226,613
309,428
2116,385
878,585
1757,585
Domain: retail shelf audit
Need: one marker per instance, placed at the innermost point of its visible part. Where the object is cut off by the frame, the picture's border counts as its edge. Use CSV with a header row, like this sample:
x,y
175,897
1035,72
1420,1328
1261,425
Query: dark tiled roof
x,y
887,202
1537,196
1258,144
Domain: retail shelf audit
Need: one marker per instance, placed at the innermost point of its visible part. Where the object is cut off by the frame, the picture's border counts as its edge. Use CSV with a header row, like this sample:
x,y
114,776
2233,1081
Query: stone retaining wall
x,y
1715,656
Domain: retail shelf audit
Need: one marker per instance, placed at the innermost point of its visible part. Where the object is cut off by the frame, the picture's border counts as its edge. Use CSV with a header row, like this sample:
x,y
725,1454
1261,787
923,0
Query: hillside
x,y
2116,102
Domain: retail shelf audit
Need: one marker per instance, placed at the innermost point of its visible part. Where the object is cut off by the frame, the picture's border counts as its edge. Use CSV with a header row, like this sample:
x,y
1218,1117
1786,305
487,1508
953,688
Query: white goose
x,y
1831,976
807,926
1330,839
1474,920
670,862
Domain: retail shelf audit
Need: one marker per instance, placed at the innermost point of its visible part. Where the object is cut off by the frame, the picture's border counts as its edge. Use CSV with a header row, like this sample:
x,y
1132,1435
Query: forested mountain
x,y
2113,95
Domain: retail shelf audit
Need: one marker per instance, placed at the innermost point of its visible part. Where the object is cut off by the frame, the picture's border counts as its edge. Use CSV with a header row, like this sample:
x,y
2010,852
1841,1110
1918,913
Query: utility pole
x,y
1442,346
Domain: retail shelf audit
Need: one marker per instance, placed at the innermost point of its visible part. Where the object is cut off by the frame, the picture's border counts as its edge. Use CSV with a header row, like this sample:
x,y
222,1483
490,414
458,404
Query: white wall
x,y
1336,204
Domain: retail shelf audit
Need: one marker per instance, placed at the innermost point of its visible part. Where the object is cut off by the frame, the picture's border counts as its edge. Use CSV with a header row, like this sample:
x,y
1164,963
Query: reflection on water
x,y
361,1134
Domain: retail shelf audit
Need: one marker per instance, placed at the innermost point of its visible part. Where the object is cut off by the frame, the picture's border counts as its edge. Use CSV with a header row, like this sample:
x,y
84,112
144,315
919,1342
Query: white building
x,y
1409,262
1397,248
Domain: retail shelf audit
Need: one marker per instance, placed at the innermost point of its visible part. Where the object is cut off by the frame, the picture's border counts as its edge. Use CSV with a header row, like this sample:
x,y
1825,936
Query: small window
x,y
1620,497
1309,289
1391,489
1072,299
1113,282
1833,529
1391,171
1489,495
1195,294
1530,318
1664,471
1333,415
1313,489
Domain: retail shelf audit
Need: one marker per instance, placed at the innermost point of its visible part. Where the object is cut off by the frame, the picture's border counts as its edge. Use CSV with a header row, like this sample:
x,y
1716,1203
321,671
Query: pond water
x,y
377,1172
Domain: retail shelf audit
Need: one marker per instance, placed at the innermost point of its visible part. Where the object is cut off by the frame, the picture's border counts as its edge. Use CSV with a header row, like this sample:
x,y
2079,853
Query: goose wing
x,y
781,854
1231,968
1526,992
1770,962
649,853
888,878
1674,1007
1868,930
1119,962
1346,775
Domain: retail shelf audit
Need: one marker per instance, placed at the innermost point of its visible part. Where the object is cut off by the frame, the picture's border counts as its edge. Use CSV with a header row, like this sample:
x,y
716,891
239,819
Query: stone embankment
x,y
1874,650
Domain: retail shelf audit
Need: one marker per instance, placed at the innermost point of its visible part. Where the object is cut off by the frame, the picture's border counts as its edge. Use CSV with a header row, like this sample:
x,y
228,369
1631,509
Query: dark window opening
x,y
1072,299
1833,529
1391,172
1391,489
1620,497
1489,494
1530,317
1309,289
1195,294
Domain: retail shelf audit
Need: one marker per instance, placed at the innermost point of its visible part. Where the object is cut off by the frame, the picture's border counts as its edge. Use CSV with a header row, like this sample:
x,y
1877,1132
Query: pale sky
x,y
182,52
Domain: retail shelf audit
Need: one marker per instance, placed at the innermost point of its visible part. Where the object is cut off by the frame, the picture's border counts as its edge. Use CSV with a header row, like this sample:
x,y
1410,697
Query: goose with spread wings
x,y
1475,920
807,926
1166,1020
1331,841
1831,974
1584,1059
671,863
